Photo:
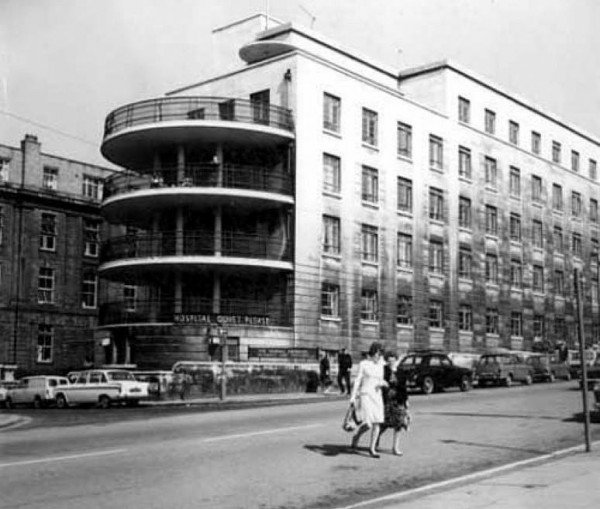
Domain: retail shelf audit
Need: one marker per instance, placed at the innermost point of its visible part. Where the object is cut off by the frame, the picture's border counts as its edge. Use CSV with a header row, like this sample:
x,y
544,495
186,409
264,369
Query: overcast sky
x,y
64,64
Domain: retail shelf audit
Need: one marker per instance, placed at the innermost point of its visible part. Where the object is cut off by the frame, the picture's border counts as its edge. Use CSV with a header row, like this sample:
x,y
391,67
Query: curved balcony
x,y
134,130
194,311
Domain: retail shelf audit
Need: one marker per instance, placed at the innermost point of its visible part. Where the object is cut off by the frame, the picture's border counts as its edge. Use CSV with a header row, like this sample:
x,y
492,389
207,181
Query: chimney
x,y
31,150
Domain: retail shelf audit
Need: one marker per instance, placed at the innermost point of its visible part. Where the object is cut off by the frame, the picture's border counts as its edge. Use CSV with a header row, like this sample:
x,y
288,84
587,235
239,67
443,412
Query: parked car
x,y
5,385
575,361
39,391
503,368
102,387
593,374
432,370
547,368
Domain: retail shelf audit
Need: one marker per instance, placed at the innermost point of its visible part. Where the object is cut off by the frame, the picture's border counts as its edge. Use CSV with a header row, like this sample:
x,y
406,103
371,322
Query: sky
x,y
65,64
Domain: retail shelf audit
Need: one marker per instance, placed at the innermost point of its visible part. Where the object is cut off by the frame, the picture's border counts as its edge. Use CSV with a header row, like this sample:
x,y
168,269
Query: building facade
x,y
50,228
313,199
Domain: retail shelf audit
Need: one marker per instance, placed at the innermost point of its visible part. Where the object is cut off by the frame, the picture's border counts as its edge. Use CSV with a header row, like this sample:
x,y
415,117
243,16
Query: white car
x,y
38,391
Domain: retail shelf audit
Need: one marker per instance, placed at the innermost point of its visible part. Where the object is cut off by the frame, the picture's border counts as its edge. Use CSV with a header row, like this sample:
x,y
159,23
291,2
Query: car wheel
x,y
104,401
465,383
428,385
528,380
61,401
551,378
508,381
8,404
37,403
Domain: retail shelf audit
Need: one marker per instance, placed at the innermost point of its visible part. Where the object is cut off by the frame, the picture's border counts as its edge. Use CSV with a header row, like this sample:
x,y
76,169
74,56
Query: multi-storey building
x,y
49,247
313,198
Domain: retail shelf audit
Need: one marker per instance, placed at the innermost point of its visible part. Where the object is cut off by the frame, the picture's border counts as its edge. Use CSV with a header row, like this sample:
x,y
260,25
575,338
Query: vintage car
x,y
503,368
38,391
433,370
593,374
102,387
5,385
547,368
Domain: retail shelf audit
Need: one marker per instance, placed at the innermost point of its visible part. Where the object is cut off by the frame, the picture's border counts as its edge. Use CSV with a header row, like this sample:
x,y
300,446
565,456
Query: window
x,y
557,238
560,328
331,235
369,243
491,220
513,132
227,110
537,234
45,343
4,167
575,204
491,321
491,268
405,197
575,160
536,142
538,278
538,326
48,232
50,178
331,112
369,127
465,262
436,204
593,169
556,148
436,314
557,198
91,238
332,177
465,317
516,273
464,110
464,162
536,188
516,324
404,140
515,227
404,314
2,225
330,300
559,282
576,245
491,172
260,104
91,187
130,297
515,182
436,152
490,122
405,250
464,212
593,210
370,185
368,305
46,285
89,289
436,257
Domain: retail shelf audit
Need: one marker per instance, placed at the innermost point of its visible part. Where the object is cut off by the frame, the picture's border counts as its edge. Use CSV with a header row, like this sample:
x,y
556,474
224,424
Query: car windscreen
x,y
120,376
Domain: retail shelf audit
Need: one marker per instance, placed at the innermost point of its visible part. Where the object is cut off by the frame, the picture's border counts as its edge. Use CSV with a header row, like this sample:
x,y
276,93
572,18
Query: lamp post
x,y
222,332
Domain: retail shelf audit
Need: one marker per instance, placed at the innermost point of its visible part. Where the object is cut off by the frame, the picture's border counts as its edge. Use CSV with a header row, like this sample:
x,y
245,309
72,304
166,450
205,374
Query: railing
x,y
195,243
197,108
171,310
256,178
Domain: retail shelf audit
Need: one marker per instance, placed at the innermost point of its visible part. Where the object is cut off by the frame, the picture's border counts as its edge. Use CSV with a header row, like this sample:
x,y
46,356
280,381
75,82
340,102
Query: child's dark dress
x,y
395,398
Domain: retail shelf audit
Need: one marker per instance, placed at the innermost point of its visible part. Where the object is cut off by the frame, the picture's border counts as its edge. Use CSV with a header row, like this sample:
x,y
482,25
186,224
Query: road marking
x,y
257,433
62,458
449,483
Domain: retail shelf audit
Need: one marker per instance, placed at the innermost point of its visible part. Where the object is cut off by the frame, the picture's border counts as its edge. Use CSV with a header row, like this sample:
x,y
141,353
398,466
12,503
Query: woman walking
x,y
395,401
367,399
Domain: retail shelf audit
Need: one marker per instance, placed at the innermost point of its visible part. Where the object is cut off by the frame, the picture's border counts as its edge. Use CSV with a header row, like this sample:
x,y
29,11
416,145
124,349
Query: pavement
x,y
568,478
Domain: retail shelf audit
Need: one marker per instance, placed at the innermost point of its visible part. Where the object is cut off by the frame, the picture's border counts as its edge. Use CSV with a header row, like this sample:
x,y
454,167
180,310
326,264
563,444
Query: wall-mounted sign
x,y
211,319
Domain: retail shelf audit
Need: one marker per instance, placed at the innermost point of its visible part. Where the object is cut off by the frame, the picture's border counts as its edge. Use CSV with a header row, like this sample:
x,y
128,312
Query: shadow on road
x,y
330,449
502,416
494,446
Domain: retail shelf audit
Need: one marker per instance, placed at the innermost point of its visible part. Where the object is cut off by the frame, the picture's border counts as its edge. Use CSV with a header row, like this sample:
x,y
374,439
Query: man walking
x,y
344,367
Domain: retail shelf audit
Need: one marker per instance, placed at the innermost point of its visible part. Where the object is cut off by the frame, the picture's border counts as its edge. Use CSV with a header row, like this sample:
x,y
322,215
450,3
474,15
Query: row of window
x,y
514,137
49,235
47,287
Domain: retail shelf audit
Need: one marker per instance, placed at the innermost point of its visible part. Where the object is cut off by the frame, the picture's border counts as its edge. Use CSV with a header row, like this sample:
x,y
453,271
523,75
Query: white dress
x,y
367,392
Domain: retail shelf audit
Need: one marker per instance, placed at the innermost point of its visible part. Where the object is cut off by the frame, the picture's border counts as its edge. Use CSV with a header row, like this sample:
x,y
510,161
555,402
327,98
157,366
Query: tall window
x,y
89,289
516,273
4,167
330,300
536,188
368,305
490,122
465,262
593,169
491,268
464,212
557,239
576,245
370,185
516,323
593,210
46,285
538,326
575,204
491,321
559,282
369,127
556,149
557,197
537,234
331,112
405,197
404,314
538,278
536,142
464,110
491,172
260,103
331,235
404,140
436,152
436,257
91,238
91,187
50,178
130,297
464,162
574,160
332,177
515,227
48,232
436,204
436,314
515,182
465,317
370,251
513,132
45,343
405,250
491,220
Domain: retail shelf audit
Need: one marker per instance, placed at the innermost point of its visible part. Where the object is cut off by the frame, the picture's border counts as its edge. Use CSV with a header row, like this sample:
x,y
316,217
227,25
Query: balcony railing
x,y
195,243
194,310
255,178
167,109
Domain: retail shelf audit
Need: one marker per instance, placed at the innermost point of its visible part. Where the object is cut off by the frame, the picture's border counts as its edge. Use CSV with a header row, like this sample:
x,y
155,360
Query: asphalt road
x,y
293,456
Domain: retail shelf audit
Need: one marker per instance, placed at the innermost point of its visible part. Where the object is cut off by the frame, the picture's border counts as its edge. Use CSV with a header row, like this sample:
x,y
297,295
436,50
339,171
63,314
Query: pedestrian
x,y
344,367
324,368
395,401
367,399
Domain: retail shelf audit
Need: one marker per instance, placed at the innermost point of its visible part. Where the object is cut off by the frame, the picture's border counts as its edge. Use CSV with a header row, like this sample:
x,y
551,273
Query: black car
x,y
433,371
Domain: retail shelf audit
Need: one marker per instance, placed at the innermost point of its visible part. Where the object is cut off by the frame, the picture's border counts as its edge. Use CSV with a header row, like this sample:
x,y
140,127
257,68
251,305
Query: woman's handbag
x,y
350,421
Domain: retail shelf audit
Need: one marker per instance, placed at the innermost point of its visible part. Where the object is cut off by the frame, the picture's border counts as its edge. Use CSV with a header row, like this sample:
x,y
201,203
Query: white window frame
x,y
46,285
370,121
405,250
332,174
45,344
89,290
91,238
368,305
48,231
330,300
436,152
332,109
331,235
91,187
404,310
370,185
404,132
370,243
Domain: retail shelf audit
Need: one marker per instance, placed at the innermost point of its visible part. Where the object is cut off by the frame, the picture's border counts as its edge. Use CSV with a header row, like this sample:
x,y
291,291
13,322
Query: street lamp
x,y
222,333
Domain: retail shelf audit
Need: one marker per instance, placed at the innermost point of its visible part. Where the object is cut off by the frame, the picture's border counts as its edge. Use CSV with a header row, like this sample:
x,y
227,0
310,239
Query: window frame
x,y
332,112
370,127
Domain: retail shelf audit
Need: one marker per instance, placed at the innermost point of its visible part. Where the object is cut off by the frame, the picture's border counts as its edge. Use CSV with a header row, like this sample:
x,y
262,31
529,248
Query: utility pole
x,y
581,337
222,331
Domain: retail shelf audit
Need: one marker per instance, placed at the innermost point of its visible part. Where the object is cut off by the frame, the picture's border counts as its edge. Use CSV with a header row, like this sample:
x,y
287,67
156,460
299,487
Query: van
x,y
38,391
503,368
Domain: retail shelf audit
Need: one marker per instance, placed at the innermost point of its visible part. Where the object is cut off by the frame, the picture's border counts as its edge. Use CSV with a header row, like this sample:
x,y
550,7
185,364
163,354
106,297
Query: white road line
x,y
62,458
449,483
257,433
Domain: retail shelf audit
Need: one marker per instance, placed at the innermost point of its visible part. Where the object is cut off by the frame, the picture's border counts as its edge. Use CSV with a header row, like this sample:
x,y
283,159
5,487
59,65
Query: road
x,y
293,456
